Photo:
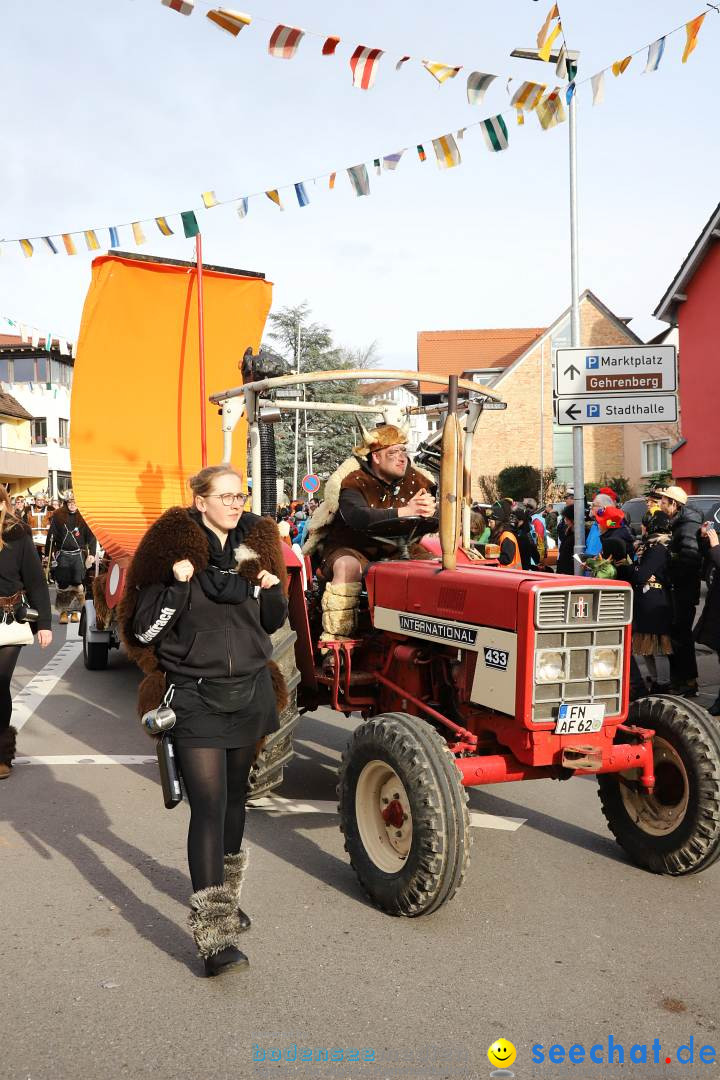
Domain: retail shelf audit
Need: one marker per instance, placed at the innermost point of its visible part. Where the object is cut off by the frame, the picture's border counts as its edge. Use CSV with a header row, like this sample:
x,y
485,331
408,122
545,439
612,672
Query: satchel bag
x,y
13,632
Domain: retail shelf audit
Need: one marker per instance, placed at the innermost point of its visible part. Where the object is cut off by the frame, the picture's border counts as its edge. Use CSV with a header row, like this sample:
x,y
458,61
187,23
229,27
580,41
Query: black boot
x,y
7,750
213,921
714,709
235,867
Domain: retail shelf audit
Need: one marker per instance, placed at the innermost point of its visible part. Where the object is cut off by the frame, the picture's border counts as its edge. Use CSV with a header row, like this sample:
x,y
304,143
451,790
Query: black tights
x,y
216,784
8,659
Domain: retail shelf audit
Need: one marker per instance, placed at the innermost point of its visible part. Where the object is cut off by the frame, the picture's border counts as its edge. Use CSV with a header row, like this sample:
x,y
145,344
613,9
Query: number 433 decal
x,y
496,658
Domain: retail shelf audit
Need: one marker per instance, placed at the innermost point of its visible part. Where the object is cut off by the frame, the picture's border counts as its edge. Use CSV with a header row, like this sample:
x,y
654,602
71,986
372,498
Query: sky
x,y
118,110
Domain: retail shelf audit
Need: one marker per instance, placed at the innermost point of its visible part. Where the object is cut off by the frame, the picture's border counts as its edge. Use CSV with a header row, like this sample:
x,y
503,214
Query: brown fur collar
x,y
173,537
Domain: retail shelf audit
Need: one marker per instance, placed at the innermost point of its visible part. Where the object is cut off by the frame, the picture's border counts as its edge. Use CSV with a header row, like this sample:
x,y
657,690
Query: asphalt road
x,y
553,939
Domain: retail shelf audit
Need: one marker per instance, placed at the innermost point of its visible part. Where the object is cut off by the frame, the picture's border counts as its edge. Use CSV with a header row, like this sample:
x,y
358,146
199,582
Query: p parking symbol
x,y
592,363
593,410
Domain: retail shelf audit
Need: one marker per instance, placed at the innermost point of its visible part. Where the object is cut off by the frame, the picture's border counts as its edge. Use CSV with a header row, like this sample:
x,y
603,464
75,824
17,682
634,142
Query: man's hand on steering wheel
x,y
422,504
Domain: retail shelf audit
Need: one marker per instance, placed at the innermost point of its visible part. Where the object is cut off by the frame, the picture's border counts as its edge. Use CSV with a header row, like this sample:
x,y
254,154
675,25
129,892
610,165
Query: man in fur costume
x,y
375,484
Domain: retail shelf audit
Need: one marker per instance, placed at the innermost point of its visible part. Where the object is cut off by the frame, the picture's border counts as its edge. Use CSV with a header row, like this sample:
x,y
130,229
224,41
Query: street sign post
x,y
311,483
617,409
618,370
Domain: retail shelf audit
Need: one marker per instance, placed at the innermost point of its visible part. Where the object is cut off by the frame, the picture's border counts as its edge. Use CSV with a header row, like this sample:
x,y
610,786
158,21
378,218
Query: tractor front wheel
x,y
403,811
675,829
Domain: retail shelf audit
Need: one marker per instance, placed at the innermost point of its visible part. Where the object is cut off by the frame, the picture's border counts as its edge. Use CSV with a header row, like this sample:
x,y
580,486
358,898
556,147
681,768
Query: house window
x,y
24,369
64,432
38,431
5,370
656,457
64,482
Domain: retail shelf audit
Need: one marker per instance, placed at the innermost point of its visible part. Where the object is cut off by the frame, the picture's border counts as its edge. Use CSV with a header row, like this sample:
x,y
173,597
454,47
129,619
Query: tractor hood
x,y
475,594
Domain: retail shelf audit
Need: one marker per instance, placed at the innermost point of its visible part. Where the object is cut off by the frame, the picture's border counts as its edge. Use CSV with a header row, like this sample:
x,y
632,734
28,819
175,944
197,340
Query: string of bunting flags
x,y
547,104
31,335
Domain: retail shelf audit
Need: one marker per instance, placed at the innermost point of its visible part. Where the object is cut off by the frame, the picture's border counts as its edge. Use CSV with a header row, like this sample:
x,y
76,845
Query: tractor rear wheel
x,y
403,812
676,828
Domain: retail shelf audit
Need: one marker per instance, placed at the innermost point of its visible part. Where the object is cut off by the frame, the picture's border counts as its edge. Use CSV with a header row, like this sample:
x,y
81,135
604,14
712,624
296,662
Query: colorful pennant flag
x,y
284,42
546,48
495,133
163,226
655,55
50,244
446,152
35,338
242,208
621,66
391,161
565,67
421,152
93,244
331,183
442,72
189,223
185,7
24,334
401,61
520,117
232,21
542,36
273,196
477,86
48,342
330,46
69,244
301,193
209,200
27,248
376,163
359,179
138,234
570,93
364,64
598,88
114,238
692,29
460,135
63,346
551,111
528,95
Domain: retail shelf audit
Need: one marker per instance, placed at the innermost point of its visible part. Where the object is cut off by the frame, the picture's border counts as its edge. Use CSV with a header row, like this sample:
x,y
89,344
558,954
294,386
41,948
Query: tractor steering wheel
x,y
399,533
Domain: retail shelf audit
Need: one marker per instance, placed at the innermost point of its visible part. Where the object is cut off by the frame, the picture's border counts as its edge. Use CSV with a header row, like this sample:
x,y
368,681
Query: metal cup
x,y
158,720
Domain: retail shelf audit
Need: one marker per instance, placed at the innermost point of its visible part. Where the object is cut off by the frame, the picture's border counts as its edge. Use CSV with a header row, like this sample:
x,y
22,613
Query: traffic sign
x,y
311,483
612,409
634,370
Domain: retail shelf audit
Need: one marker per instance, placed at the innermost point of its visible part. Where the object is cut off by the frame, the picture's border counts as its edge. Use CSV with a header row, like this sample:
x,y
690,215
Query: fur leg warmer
x,y
64,599
7,745
339,609
235,867
213,920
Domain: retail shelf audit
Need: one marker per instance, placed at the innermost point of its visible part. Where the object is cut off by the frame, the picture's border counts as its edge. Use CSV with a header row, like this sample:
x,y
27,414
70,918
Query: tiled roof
x,y
384,386
450,352
10,407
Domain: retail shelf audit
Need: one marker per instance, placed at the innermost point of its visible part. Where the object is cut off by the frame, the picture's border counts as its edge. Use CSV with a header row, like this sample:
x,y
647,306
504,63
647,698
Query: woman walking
x,y
204,592
21,577
73,546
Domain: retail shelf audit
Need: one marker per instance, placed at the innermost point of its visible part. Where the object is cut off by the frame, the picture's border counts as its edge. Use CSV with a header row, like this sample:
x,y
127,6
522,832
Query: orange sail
x,y
135,417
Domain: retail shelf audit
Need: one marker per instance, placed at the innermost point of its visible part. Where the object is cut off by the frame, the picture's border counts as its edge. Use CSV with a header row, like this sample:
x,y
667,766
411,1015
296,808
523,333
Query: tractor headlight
x,y
605,663
550,666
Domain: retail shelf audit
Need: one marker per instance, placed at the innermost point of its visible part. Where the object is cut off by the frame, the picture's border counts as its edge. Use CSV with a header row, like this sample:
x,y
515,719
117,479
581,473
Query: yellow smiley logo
x,y
502,1053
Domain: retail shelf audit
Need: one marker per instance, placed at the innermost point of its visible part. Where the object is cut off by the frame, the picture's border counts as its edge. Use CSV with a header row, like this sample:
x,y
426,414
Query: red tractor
x,y
468,674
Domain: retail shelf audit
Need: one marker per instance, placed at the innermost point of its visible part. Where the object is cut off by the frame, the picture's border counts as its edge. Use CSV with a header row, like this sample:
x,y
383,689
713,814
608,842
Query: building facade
x,y
41,381
519,365
691,305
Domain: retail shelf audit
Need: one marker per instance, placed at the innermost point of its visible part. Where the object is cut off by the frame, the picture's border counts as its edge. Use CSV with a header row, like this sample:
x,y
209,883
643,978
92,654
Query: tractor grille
x,y
576,648
583,607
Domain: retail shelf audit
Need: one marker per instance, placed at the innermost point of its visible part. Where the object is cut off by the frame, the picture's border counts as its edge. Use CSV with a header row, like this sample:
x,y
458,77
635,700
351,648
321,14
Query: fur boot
x,y
235,867
214,925
64,599
340,610
7,750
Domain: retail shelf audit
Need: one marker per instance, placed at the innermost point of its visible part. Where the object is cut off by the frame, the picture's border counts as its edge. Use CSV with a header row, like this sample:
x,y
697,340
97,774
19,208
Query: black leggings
x,y
8,659
216,784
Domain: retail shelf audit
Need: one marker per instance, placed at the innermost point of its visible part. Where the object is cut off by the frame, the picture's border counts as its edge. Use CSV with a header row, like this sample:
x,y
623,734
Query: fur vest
x,y
173,537
351,474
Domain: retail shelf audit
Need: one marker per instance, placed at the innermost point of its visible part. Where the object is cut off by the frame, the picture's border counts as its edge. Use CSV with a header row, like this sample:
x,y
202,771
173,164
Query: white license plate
x,y
579,719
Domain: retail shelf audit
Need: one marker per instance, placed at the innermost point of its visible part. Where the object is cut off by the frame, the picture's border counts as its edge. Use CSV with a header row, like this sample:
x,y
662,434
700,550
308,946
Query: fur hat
x,y
380,438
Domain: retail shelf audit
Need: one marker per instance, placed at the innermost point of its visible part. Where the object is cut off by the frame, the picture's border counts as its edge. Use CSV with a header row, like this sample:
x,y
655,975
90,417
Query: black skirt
x,y
197,724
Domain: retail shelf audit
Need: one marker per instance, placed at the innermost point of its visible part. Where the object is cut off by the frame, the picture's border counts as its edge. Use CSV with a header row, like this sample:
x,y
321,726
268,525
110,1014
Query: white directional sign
x,y
642,408
636,370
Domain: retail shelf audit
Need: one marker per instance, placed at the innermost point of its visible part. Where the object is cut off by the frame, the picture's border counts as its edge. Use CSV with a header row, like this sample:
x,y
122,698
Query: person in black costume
x,y
73,550
707,631
652,609
21,574
205,602
685,571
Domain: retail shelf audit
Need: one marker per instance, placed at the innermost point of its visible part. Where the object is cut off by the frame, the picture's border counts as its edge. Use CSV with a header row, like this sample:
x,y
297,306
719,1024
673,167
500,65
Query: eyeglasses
x,y
396,453
229,499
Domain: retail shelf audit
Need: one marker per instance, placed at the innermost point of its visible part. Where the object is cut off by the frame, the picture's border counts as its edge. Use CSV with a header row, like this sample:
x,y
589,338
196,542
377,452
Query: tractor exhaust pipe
x,y
451,481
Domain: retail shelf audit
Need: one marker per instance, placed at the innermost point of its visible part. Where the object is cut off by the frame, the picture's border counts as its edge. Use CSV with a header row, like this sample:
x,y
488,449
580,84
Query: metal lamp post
x,y
577,431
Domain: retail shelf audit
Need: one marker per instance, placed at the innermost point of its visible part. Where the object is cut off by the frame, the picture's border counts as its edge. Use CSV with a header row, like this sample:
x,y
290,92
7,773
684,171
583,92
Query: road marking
x,y
32,695
73,631
479,820
280,805
87,759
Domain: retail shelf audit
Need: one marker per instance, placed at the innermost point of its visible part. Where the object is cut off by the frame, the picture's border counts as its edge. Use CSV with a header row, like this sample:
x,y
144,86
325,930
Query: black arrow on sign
x,y
573,411
572,371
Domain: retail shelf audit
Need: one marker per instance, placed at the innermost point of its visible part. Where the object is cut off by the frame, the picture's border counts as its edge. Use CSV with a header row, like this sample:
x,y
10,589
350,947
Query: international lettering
x,y
448,631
